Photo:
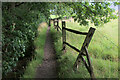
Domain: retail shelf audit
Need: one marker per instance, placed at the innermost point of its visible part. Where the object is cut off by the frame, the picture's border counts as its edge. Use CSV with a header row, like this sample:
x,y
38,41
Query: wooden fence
x,y
84,49
55,23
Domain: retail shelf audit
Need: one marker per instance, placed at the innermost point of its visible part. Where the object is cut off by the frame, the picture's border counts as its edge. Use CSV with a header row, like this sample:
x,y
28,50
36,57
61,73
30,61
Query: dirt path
x,y
49,65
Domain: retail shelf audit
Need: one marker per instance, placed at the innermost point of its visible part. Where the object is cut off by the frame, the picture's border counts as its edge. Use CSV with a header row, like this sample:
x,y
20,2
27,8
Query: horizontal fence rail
x,y
74,31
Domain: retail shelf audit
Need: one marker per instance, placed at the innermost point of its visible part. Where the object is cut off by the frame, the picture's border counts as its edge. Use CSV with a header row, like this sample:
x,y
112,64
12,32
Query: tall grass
x,y
39,42
103,51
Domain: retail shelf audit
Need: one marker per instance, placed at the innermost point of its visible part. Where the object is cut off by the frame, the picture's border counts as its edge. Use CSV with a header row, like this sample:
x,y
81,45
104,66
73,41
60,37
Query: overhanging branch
x,y
19,4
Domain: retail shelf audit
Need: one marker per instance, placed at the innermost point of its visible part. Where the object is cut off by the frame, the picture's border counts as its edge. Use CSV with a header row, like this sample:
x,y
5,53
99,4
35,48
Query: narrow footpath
x,y
48,68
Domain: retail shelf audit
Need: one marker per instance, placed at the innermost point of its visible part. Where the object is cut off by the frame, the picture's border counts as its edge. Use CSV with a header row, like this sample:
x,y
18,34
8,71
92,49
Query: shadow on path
x,y
48,68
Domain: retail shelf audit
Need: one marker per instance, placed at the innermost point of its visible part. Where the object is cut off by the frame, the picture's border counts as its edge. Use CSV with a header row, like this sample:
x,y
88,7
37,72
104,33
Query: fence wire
x,y
107,38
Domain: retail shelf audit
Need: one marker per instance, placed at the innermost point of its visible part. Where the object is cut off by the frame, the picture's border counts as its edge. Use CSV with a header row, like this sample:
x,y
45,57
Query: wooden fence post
x,y
89,63
54,22
49,22
57,24
88,38
64,35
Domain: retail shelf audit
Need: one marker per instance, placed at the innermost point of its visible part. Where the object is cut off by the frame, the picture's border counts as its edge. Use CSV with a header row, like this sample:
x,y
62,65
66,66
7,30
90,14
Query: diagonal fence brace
x,y
85,51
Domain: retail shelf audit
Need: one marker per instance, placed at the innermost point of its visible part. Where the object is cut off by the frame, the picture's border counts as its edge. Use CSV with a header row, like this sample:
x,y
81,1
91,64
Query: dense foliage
x,y
97,13
83,12
20,21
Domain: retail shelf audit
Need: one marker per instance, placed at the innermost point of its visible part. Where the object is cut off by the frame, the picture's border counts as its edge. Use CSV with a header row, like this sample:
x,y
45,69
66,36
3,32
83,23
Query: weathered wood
x,y
83,49
77,62
89,63
88,68
75,66
59,27
64,35
72,46
88,38
86,44
86,65
54,22
57,22
74,31
55,25
87,55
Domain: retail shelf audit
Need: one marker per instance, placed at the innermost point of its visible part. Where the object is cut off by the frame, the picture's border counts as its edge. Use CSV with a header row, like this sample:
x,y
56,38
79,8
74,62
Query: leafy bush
x,y
18,32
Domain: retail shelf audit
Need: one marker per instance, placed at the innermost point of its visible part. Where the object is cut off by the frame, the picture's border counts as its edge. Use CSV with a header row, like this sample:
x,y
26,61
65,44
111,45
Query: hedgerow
x,y
19,29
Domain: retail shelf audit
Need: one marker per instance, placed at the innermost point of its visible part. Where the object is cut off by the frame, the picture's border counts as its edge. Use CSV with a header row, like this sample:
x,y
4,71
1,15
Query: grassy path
x,y
48,68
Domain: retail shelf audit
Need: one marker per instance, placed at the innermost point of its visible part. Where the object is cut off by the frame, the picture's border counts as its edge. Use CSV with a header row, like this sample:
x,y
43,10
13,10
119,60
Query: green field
x,y
103,50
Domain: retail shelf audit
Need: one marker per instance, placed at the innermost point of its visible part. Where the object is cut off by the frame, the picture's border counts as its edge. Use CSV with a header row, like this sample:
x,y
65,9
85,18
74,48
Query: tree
x,y
97,12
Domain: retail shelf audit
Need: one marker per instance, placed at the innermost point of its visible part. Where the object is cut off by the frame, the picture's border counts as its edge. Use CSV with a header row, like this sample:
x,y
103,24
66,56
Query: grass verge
x,y
39,44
